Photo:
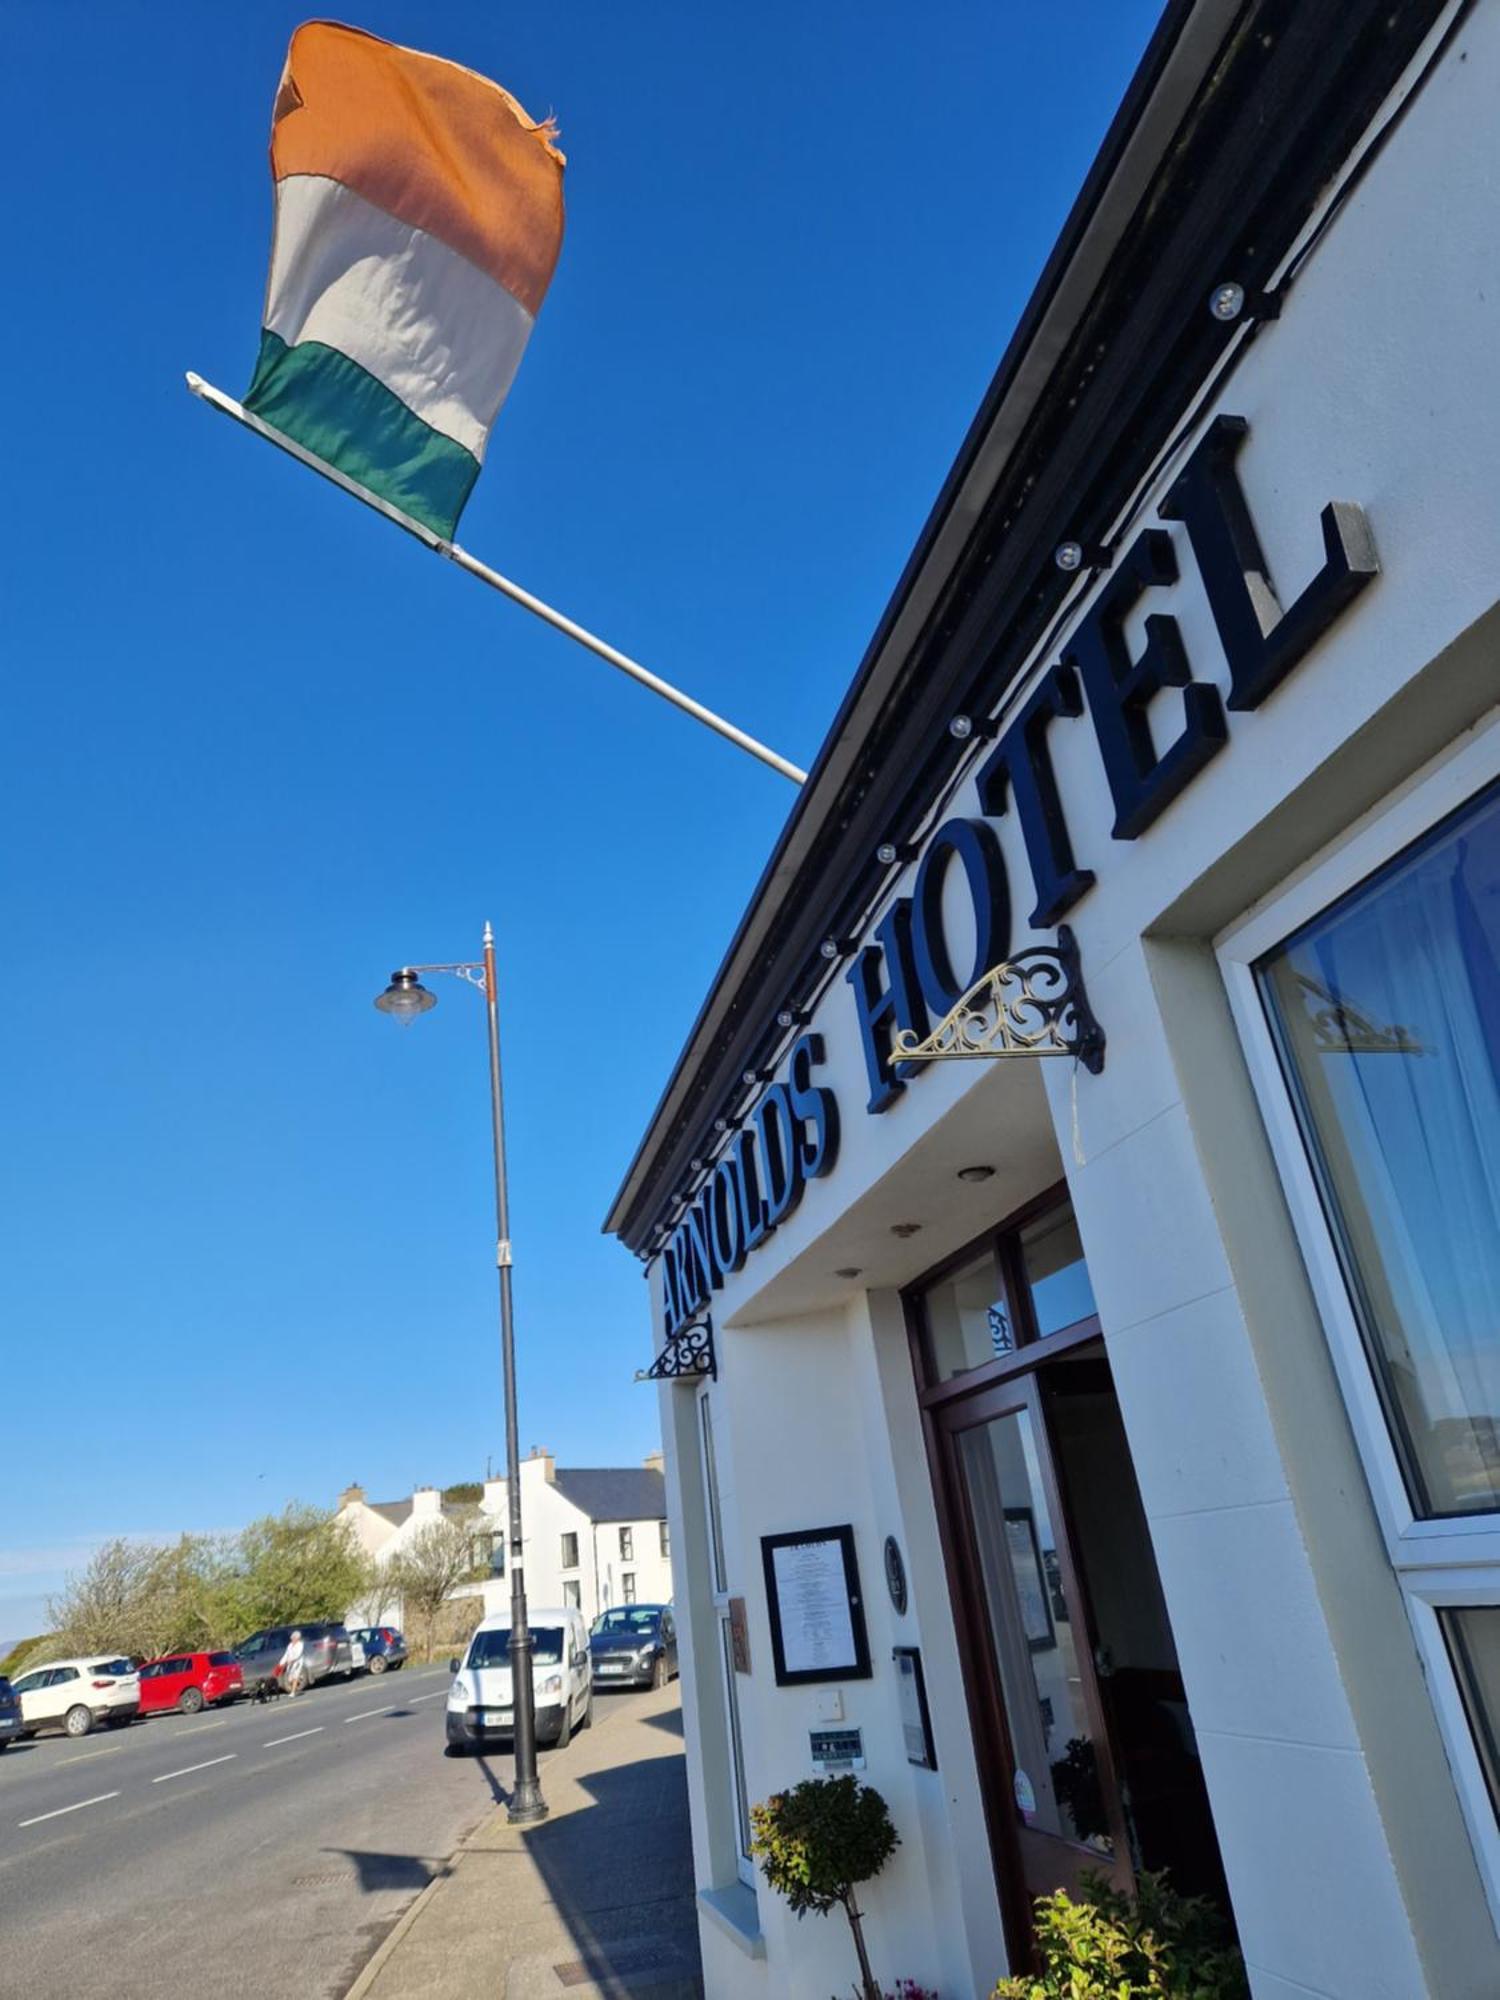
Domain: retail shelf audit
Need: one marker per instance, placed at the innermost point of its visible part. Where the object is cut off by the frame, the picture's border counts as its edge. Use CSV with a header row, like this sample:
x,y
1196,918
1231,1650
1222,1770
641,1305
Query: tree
x,y
294,1567
423,1574
817,1842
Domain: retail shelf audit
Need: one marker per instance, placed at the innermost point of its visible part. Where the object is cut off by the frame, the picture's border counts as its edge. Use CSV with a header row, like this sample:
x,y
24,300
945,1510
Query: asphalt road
x,y
253,1851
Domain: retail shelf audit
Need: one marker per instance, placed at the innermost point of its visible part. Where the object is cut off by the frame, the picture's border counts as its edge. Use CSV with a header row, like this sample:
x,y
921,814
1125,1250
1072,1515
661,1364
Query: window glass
x,y
61,1674
26,1683
1056,1275
1473,1637
1058,1786
626,1622
492,1649
572,1593
666,1540
627,1585
570,1551
627,1544
221,1659
711,1487
968,1319
1386,1011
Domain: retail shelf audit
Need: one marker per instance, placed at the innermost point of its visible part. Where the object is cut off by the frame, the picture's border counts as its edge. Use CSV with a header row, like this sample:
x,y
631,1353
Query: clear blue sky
x,y
259,748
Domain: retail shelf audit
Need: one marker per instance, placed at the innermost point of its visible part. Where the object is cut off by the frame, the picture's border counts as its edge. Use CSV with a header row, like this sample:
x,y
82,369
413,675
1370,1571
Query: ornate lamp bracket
x,y
687,1356
1031,1005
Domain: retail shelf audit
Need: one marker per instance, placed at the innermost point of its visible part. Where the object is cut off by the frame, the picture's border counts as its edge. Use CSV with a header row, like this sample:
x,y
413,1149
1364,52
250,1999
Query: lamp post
x,y
404,999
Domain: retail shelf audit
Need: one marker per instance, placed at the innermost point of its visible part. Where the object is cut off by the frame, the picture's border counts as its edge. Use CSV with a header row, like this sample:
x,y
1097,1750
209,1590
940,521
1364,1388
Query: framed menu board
x,y
817,1613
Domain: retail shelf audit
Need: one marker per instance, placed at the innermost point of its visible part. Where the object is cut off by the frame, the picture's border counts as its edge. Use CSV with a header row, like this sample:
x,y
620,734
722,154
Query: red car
x,y
189,1681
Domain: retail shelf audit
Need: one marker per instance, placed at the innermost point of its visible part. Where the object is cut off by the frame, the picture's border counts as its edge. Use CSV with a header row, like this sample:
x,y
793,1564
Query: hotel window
x,y
1027,1283
1369,1000
570,1551
738,1796
627,1586
627,1545
666,1540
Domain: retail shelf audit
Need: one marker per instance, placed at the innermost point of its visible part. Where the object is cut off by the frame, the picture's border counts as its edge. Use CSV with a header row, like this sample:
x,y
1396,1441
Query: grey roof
x,y
615,1492
395,1511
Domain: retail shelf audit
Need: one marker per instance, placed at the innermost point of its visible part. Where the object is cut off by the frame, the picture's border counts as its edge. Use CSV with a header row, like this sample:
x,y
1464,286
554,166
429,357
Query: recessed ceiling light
x,y
847,1271
905,1228
976,1173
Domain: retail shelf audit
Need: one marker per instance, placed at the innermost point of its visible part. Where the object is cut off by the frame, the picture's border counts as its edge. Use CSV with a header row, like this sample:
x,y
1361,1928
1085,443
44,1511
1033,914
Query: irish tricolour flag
x,y
419,215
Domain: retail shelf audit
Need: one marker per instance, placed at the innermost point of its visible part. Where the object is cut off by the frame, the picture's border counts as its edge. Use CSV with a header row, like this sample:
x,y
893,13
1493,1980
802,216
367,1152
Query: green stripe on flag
x,y
338,411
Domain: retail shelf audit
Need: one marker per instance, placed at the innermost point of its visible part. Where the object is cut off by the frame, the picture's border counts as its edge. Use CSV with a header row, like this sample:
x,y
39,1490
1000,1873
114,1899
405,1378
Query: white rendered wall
x,y
1350,1870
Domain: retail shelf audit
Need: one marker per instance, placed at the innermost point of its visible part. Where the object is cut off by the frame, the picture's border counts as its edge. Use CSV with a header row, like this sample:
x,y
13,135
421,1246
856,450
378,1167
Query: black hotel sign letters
x,y
906,977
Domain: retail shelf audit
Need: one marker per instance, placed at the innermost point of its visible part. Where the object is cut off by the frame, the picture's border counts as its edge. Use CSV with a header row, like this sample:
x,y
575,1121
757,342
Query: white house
x,y
1102,1454
592,1535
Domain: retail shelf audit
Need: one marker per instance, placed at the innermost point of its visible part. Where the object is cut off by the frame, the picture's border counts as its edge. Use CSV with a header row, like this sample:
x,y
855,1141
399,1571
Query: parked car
x,y
325,1653
384,1647
10,1713
189,1681
635,1645
74,1695
480,1709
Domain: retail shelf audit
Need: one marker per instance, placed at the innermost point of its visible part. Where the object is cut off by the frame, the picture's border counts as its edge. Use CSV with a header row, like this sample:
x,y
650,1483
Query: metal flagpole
x,y
230,408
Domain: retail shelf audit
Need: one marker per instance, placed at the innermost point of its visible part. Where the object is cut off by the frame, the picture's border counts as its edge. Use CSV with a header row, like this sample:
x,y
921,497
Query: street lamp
x,y
404,999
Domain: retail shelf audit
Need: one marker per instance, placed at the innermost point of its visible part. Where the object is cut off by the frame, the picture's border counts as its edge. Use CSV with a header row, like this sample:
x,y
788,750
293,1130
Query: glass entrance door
x,y
1084,1743
1068,1815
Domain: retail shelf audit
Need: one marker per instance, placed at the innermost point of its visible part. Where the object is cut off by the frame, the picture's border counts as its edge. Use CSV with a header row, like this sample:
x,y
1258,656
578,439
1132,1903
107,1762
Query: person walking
x,y
292,1667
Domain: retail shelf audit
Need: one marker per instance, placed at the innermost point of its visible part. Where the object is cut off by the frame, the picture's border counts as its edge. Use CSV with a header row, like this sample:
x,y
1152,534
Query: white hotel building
x,y
1148,1411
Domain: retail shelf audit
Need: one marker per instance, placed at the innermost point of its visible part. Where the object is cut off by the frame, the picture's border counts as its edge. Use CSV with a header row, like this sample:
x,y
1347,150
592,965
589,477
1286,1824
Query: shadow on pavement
x,y
620,1873
390,1871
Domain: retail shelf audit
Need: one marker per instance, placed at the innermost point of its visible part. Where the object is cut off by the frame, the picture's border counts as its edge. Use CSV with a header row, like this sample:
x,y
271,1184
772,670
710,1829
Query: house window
x,y
627,1586
570,1551
1368,997
572,1592
627,1545
497,1555
666,1540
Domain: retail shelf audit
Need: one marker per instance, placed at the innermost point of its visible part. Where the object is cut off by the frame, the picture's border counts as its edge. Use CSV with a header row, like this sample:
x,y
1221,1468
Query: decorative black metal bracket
x,y
687,1357
1032,1005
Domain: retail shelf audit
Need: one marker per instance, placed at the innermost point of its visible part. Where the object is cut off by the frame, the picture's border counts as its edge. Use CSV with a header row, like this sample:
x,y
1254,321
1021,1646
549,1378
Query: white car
x,y
74,1695
480,1708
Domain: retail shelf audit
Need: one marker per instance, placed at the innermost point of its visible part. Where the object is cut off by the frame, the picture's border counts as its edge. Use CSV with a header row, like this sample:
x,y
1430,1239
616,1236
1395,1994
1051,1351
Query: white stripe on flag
x,y
436,330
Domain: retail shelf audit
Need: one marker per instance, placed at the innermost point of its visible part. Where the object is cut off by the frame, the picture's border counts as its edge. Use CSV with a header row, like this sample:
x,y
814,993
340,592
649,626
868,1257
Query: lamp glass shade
x,y
405,998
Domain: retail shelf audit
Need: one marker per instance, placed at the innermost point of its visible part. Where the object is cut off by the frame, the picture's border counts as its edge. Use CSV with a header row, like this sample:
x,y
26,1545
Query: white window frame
x,y
1438,1563
718,1562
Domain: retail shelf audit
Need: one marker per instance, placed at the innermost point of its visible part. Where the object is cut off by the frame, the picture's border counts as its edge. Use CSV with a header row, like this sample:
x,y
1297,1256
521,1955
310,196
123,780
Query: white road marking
x,y
188,1769
198,1727
113,1750
365,1714
436,1695
276,1740
60,1810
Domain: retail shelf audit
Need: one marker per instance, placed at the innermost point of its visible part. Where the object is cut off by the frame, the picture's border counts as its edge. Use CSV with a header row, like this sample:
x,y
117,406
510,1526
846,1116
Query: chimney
x,y
549,1464
426,1501
350,1495
655,1462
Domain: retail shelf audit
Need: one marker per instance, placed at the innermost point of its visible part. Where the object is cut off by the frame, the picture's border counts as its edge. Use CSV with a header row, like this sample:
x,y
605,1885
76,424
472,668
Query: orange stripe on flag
x,y
435,145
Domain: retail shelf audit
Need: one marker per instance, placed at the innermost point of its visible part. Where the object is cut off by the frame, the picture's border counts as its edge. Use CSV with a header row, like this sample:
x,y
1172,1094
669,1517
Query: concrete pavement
x,y
597,1899
250,1851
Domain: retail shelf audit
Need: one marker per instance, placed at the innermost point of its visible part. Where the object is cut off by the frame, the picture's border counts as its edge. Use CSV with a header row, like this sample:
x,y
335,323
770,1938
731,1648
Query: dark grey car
x,y
10,1713
634,1645
325,1652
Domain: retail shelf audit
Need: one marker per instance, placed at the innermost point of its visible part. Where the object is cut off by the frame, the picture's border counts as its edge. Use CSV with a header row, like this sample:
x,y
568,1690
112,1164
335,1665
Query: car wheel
x,y
455,1749
377,1665
78,1721
588,1712
659,1671
190,1701
564,1734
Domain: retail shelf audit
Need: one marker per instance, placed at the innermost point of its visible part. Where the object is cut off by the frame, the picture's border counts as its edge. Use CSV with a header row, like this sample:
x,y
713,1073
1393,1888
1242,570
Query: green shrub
x,y
1155,1945
815,1842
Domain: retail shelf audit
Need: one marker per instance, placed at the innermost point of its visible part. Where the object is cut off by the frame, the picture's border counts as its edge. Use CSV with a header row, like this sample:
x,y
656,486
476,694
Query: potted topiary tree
x,y
816,1842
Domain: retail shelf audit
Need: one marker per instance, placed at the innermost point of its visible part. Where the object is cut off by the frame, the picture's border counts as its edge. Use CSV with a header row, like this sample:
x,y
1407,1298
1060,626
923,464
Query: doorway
x,y
1085,1745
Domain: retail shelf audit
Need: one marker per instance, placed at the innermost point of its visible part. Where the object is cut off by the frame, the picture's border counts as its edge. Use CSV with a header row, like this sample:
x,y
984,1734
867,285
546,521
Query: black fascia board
x,y
1279,110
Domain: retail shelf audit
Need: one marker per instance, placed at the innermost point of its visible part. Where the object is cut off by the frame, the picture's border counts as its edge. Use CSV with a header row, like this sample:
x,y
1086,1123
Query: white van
x,y
479,1699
